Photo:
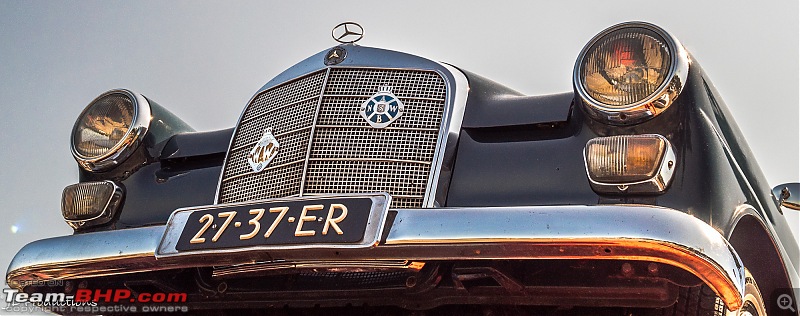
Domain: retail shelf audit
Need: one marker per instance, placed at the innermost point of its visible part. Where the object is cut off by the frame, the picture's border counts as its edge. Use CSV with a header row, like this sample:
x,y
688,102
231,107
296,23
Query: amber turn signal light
x,y
629,163
90,203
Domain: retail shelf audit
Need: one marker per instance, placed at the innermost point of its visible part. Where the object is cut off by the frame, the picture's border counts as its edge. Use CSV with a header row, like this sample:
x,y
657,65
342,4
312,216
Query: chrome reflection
x,y
788,195
651,104
278,266
100,140
657,183
611,232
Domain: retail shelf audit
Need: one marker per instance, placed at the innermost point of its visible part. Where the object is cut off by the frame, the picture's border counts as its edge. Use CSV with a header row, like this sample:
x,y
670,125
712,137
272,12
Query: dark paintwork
x,y
179,172
188,145
516,150
495,105
163,125
543,165
160,189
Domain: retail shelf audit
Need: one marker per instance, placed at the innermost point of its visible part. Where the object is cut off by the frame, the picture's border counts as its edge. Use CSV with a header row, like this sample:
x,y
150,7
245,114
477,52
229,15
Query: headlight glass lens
x,y
103,125
625,67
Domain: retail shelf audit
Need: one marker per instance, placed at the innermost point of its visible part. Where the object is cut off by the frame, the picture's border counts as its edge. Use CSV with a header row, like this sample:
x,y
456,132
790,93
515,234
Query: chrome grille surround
x,y
327,148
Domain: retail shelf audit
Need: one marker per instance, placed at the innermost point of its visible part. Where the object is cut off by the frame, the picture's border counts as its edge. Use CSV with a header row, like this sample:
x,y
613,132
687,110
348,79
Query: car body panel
x,y
509,183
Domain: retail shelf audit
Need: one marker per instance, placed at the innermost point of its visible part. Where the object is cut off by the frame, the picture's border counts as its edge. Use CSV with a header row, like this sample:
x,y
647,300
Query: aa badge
x,y
266,149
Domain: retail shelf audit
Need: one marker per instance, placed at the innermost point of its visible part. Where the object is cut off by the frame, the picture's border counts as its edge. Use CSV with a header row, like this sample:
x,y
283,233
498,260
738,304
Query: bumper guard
x,y
613,232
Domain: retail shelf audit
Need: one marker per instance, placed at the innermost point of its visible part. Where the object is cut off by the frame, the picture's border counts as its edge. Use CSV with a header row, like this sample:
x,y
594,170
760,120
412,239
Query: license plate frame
x,y
183,223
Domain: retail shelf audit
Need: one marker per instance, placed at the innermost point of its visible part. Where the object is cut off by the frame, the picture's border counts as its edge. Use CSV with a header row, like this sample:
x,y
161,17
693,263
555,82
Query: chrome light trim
x,y
479,233
124,148
651,106
657,184
108,210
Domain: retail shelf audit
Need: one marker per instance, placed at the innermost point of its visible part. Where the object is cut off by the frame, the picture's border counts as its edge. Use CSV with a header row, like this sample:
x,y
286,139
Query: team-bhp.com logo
x,y
94,301
125,295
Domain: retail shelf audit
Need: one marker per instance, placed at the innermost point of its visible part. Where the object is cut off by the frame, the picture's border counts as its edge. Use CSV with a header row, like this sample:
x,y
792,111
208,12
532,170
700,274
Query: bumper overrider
x,y
614,232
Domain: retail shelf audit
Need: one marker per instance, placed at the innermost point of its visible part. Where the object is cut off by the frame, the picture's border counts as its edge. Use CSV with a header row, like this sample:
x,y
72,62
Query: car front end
x,y
369,180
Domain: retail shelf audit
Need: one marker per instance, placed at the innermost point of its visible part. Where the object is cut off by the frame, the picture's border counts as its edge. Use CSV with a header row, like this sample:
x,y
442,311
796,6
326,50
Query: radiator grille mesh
x,y
344,154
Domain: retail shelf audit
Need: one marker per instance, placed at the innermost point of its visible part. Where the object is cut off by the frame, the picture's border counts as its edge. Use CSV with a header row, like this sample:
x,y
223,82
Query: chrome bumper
x,y
643,233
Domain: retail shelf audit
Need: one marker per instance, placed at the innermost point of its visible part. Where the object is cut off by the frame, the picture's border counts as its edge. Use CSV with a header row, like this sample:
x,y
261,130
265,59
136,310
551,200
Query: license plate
x,y
350,221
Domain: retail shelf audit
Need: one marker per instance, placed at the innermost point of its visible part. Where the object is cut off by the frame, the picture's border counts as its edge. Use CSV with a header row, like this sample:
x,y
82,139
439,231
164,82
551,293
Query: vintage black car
x,y
369,181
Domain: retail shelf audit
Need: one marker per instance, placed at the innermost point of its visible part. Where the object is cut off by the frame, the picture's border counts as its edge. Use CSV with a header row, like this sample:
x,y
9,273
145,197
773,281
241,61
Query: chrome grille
x,y
345,155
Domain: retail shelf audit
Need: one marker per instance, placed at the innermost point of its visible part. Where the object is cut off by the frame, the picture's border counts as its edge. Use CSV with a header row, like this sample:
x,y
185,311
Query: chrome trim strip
x,y
129,142
394,196
385,128
657,184
371,159
244,270
608,232
367,96
656,102
304,175
452,118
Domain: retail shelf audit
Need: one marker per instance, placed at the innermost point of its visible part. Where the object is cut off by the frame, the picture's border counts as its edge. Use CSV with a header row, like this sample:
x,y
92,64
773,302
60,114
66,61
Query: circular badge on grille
x,y
335,56
382,109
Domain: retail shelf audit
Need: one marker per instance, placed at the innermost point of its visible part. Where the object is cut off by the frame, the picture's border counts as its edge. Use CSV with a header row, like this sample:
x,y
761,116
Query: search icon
x,y
785,302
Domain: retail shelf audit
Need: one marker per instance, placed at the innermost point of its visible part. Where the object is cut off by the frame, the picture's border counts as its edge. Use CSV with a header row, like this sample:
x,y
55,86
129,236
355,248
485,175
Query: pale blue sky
x,y
204,60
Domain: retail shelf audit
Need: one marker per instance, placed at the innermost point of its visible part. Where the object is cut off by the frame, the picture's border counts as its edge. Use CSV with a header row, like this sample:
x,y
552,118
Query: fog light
x,y
629,163
90,203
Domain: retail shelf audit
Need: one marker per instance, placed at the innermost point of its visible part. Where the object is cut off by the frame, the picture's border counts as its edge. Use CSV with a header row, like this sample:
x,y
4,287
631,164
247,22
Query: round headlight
x,y
630,72
109,129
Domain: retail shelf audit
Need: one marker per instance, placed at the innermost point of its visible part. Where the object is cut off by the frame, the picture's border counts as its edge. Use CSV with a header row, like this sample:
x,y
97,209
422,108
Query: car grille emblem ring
x,y
335,56
382,109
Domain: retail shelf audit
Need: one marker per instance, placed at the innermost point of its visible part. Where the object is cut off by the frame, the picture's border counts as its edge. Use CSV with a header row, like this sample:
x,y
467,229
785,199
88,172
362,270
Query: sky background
x,y
204,60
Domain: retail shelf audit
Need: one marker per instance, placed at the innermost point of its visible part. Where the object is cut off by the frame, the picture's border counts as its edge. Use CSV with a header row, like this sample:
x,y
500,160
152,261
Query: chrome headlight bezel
x,y
652,105
127,144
